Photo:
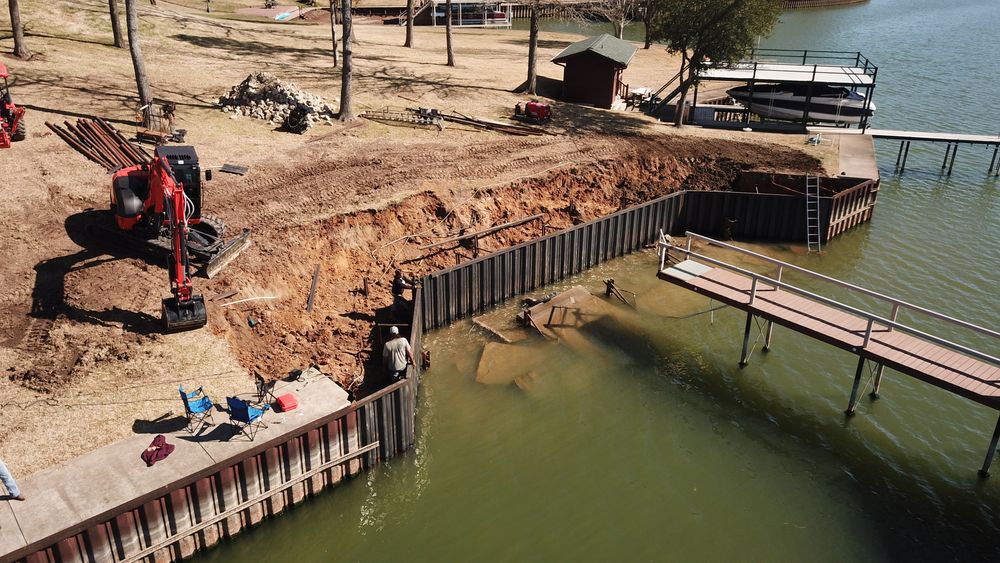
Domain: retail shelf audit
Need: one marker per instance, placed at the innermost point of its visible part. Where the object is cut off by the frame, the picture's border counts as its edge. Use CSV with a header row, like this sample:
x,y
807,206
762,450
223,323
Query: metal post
x,y
993,160
746,340
906,153
853,403
985,471
878,381
946,151
753,291
953,153
900,155
767,336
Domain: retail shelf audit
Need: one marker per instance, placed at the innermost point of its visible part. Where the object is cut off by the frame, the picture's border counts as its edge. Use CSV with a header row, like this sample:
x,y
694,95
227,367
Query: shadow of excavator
x,y
48,297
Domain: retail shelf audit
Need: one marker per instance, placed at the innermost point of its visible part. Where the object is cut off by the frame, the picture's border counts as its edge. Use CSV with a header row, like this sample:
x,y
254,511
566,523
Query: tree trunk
x,y
138,65
116,28
333,31
533,49
619,28
409,23
647,20
20,48
346,109
447,32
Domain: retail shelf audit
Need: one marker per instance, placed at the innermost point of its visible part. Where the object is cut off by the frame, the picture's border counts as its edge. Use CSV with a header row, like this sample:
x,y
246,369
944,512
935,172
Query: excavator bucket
x,y
226,255
178,316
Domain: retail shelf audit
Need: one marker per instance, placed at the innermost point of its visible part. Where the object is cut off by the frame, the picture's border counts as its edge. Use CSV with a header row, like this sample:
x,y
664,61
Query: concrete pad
x,y
10,532
857,156
63,496
102,480
317,396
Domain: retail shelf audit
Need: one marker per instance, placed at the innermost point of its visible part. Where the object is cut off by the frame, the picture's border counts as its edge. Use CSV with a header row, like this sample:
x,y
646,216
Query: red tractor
x,y
157,206
12,127
533,112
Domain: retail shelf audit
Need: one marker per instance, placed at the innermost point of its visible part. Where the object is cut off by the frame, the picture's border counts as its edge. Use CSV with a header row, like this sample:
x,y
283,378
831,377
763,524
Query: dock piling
x,y
853,403
944,162
878,381
954,151
746,340
993,161
767,335
906,153
985,471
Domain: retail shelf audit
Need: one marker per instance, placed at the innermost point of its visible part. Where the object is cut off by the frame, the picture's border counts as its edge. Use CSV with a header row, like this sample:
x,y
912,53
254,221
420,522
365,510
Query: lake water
x,y
651,444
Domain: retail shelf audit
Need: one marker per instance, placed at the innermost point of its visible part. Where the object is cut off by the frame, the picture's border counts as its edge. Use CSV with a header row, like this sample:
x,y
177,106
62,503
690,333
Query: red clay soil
x,y
96,304
368,244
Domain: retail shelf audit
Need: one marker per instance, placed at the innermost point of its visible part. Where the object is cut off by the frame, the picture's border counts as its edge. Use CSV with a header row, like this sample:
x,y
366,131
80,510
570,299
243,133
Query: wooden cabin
x,y
593,70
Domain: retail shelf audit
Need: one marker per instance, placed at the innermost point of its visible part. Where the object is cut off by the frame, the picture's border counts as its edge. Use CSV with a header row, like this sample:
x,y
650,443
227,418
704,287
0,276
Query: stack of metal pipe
x,y
99,141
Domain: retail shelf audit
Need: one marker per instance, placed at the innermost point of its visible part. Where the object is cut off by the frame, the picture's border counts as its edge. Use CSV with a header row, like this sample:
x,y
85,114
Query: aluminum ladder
x,y
813,243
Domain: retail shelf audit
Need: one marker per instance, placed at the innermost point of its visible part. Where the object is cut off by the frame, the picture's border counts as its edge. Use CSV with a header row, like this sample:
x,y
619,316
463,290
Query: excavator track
x,y
208,250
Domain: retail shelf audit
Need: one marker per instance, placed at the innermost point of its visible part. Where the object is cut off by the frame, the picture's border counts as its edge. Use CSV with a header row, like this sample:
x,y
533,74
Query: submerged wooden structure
x,y
878,339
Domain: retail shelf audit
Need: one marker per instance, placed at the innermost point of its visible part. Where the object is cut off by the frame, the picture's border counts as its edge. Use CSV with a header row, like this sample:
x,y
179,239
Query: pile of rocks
x,y
263,96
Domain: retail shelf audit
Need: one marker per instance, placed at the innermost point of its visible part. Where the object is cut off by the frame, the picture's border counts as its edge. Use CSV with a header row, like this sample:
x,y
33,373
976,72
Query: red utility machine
x,y
158,206
533,112
12,127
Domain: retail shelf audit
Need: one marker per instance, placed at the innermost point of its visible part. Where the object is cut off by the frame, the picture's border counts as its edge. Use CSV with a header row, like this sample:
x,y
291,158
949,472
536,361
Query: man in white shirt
x,y
396,355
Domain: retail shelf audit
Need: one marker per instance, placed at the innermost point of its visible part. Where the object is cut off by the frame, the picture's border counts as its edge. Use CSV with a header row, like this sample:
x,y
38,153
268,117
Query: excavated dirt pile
x,y
263,96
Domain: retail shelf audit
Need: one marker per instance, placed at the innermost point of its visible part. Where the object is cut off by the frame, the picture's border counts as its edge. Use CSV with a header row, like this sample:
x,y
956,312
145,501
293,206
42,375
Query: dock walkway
x,y
873,338
905,138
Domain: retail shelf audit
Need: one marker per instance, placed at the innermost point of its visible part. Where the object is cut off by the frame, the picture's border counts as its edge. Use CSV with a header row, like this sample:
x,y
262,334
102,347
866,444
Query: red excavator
x,y
12,126
158,206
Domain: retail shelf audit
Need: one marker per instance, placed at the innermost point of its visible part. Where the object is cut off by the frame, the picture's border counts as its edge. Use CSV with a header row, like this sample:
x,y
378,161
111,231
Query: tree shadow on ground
x,y
401,81
576,118
542,43
76,114
243,49
70,39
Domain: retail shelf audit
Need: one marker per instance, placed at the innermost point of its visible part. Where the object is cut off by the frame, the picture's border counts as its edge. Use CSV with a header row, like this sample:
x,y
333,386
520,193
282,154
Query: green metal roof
x,y
607,46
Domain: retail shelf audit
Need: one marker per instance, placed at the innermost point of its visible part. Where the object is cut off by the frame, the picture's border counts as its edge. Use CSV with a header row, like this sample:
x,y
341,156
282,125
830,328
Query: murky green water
x,y
649,443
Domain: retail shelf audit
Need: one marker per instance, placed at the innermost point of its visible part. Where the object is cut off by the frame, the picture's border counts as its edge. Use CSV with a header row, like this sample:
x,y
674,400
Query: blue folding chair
x,y
197,407
246,417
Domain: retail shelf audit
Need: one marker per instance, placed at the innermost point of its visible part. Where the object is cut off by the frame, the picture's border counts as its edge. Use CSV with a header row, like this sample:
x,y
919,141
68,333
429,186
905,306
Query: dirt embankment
x,y
353,247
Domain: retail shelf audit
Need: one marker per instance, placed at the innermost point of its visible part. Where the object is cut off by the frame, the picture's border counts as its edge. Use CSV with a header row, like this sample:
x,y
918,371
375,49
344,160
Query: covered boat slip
x,y
810,71
878,340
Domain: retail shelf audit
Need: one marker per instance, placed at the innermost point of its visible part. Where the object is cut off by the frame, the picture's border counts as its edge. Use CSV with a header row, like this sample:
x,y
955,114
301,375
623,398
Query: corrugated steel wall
x,y
197,515
478,285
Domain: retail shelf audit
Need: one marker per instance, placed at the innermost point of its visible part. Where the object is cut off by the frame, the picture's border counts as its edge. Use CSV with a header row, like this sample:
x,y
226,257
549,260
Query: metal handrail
x,y
871,317
896,303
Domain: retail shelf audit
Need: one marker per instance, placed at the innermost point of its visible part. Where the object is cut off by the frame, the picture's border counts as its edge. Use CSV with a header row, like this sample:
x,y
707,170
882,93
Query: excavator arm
x,y
183,310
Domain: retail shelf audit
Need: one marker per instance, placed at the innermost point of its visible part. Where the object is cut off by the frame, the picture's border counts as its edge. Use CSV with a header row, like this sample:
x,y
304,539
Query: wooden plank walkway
x,y
876,339
937,365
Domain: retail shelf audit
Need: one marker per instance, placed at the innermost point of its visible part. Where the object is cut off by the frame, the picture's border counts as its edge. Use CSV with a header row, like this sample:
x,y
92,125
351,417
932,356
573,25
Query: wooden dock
x,y
878,341
905,138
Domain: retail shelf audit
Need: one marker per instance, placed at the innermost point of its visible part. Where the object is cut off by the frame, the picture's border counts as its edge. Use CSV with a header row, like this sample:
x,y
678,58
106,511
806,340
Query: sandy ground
x,y
79,342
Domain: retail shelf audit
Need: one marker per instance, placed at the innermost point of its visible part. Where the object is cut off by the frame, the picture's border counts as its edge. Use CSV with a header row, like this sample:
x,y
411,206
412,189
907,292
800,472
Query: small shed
x,y
593,70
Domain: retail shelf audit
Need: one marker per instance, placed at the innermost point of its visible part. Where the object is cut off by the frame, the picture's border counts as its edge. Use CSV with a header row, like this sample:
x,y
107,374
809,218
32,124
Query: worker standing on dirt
x,y
11,485
396,355
400,284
